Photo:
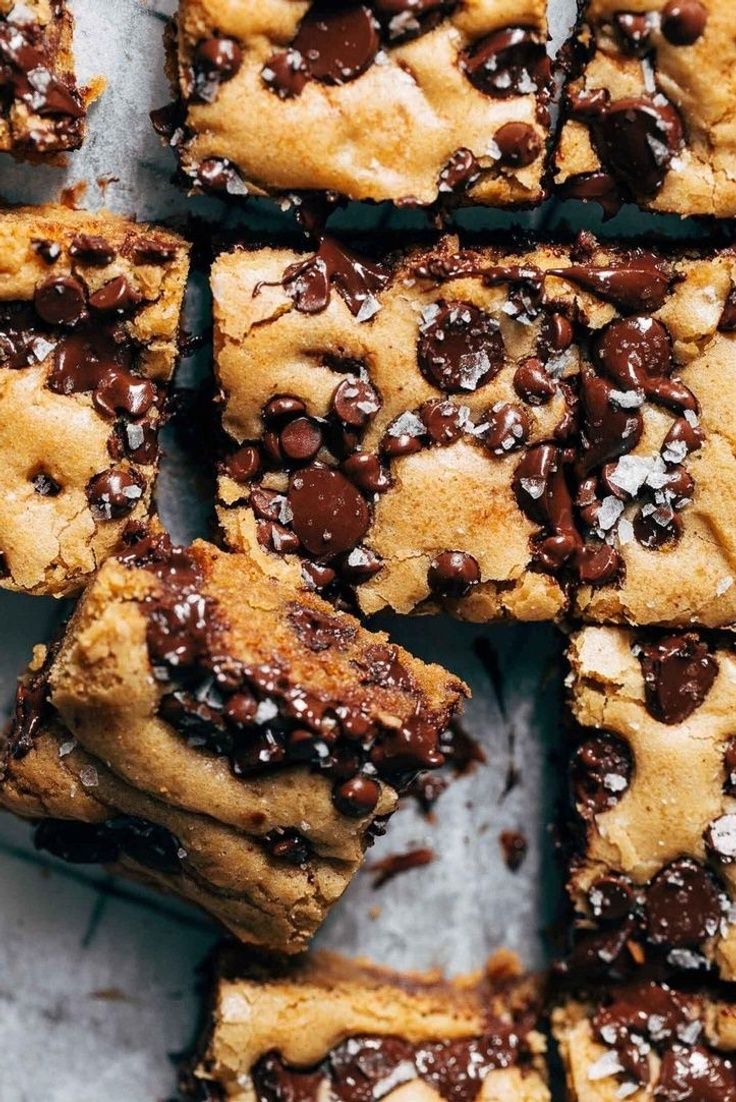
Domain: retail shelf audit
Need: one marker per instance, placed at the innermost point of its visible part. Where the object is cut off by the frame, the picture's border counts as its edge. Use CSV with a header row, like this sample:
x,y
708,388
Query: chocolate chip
x,y
635,350
598,564
507,428
608,430
357,280
244,464
287,844
300,439
679,672
460,172
356,797
116,296
518,143
121,392
330,516
365,471
60,301
277,537
557,332
611,897
444,421
355,402
404,436
115,493
683,21
727,322
240,710
601,773
533,384
460,347
656,526
509,62
720,838
453,574
49,251
216,60
283,408
359,565
76,842
682,905
267,504
91,249
150,250
696,1073
220,176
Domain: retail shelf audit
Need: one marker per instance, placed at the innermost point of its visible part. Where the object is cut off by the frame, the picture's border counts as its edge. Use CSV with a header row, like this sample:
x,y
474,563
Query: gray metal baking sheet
x,y
98,978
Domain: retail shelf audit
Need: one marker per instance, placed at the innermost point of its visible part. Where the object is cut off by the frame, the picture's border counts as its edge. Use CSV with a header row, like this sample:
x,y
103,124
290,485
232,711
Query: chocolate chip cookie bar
x,y
653,777
90,307
226,738
649,1040
328,1027
651,109
42,109
415,101
497,433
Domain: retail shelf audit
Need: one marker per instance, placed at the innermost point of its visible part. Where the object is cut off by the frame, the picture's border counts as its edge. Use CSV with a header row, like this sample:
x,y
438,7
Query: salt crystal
x,y
606,1065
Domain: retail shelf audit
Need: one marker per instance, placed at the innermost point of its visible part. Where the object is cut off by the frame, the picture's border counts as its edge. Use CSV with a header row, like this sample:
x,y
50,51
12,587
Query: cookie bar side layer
x,y
312,1026
44,110
649,115
651,873
405,102
266,734
90,308
486,431
648,1040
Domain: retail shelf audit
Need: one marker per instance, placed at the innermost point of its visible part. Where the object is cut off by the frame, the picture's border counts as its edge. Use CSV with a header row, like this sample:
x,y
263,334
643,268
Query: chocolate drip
x,y
635,283
309,282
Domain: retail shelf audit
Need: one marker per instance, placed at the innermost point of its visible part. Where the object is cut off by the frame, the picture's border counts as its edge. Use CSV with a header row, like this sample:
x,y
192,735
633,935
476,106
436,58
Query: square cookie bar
x,y
650,113
223,737
328,1027
648,1040
43,111
652,874
498,433
90,308
413,101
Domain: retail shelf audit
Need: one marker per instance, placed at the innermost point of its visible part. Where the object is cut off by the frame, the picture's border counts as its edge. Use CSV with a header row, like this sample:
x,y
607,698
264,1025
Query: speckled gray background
x,y
98,978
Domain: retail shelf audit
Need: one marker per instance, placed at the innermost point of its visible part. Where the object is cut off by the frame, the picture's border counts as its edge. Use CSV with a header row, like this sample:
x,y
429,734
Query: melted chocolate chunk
x,y
329,514
679,672
335,44
115,493
683,905
633,284
532,382
608,430
309,282
359,1069
507,428
219,176
541,490
287,844
216,60
601,773
115,297
684,21
406,19
636,139
697,1073
319,631
598,187
509,62
355,402
611,898
460,346
22,341
453,574
92,249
